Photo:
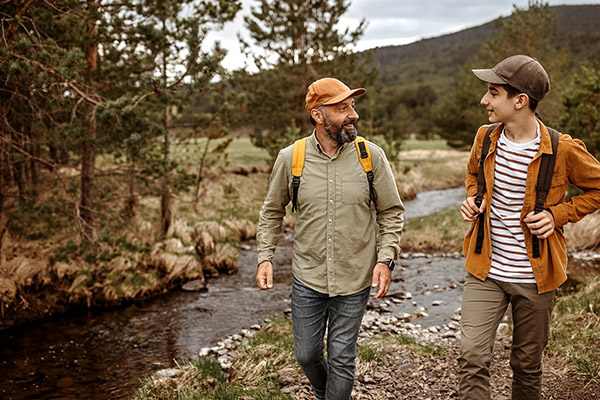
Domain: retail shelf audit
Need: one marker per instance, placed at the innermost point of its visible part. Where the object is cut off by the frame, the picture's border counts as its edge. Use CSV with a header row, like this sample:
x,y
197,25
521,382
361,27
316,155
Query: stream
x,y
96,355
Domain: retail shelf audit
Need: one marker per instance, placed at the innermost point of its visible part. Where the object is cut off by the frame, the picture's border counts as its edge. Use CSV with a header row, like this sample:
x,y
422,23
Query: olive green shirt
x,y
337,242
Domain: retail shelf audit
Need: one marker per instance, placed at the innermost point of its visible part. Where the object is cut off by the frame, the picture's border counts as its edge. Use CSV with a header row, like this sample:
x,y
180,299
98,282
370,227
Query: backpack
x,y
364,156
541,189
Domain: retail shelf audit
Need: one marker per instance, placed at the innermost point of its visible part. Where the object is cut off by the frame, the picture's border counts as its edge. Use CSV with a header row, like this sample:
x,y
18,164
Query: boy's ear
x,y
522,100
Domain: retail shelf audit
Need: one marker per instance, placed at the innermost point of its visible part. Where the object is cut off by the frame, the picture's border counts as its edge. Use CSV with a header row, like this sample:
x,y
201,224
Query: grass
x,y
443,231
268,357
202,379
417,144
370,349
240,151
575,333
261,365
429,169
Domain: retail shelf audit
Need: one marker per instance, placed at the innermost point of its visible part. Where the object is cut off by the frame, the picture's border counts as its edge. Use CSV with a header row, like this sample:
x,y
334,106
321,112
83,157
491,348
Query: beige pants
x,y
483,306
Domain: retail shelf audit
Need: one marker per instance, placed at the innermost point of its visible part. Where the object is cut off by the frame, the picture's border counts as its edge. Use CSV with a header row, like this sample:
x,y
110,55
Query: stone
x,y
197,285
168,372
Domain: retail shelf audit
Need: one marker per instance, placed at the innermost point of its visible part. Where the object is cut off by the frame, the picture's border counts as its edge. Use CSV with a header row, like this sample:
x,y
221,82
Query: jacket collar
x,y
545,140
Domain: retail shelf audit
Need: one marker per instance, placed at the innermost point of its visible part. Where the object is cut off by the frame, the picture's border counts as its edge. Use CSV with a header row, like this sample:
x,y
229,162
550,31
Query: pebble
x,y
168,372
377,319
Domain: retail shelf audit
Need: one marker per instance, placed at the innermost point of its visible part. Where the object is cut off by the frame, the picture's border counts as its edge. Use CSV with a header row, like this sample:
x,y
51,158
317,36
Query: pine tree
x,y
292,43
581,116
531,31
84,79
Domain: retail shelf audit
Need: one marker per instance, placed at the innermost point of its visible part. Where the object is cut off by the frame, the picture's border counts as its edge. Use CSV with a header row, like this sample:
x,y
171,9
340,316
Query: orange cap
x,y
327,91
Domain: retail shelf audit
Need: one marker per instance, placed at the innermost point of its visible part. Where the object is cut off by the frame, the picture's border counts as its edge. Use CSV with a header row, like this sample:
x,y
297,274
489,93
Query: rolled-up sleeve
x,y
584,172
390,215
273,210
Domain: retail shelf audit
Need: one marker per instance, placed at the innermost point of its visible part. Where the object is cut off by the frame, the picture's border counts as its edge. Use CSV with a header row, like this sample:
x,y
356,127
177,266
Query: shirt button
x,y
331,201
329,219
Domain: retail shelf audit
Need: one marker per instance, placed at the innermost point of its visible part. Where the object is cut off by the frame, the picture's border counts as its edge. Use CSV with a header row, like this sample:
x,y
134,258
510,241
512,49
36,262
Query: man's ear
x,y
317,116
522,100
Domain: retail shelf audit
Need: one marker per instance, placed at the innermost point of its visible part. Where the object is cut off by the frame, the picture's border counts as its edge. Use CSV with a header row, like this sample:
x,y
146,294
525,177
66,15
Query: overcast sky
x,y
396,22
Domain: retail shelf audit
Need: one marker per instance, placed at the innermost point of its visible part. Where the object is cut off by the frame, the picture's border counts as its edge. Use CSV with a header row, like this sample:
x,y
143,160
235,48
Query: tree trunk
x,y
166,202
33,165
132,201
88,151
3,169
87,184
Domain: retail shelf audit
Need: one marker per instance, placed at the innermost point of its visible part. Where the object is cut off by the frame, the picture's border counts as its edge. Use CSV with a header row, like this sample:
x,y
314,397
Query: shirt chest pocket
x,y
355,190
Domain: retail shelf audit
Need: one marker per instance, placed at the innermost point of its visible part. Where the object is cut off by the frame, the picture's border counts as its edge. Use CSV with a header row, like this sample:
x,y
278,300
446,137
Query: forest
x,y
132,163
117,130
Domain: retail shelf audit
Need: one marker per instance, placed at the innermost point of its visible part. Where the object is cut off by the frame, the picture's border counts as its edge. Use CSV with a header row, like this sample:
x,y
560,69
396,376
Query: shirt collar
x,y
317,145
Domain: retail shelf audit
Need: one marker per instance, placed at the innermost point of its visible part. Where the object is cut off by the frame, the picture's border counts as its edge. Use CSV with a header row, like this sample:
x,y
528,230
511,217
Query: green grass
x,y
239,151
575,333
202,379
443,231
416,144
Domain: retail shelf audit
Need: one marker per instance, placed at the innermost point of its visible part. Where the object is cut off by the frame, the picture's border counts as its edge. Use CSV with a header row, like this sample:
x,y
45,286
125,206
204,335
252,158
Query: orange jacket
x,y
574,165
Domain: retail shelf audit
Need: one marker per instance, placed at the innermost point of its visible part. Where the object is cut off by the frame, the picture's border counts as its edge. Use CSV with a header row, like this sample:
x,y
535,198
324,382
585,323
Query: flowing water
x,y
96,355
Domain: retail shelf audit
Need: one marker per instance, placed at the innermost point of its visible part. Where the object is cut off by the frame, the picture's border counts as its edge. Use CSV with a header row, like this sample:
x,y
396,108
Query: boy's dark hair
x,y
513,91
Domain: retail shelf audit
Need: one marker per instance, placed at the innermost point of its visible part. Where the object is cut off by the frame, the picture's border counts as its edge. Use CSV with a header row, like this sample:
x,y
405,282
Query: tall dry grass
x,y
585,234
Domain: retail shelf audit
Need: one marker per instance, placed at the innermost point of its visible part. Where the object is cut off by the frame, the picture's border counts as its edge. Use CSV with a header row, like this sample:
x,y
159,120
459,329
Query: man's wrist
x,y
262,262
390,263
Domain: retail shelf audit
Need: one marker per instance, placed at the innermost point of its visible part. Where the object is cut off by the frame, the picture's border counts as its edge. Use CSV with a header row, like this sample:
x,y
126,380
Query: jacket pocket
x,y
557,191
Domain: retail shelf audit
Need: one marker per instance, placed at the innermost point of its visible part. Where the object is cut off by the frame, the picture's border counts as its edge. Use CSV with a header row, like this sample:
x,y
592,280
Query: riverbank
x,y
45,270
397,359
408,345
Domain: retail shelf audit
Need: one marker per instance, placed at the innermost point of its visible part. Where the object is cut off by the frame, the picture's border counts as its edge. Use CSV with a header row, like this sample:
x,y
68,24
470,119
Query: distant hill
x,y
438,60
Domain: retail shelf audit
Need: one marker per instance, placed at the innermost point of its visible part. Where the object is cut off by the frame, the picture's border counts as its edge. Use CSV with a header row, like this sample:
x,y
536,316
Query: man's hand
x,y
469,210
540,224
382,276
264,275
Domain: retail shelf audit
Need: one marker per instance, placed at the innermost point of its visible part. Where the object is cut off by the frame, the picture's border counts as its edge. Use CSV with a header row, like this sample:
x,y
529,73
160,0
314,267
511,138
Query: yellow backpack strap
x,y
297,167
364,156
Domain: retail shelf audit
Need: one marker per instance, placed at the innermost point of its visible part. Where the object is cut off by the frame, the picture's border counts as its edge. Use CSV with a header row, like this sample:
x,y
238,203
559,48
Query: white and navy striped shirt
x,y
510,262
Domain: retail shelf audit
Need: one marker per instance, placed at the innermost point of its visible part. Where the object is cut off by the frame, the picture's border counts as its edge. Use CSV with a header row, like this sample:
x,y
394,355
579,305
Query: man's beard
x,y
337,133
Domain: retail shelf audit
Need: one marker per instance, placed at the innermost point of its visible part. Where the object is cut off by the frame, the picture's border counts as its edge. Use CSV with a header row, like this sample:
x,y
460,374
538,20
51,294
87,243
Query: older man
x,y
339,253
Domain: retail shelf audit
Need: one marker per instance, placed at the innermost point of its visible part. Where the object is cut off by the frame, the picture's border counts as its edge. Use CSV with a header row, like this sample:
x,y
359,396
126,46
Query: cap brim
x,y
489,76
344,96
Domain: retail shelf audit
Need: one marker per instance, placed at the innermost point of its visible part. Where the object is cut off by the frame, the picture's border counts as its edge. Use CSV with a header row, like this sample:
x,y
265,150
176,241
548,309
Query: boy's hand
x,y
540,224
469,210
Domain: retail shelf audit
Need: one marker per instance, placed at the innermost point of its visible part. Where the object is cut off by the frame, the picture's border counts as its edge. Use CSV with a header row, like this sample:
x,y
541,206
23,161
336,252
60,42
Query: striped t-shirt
x,y
510,262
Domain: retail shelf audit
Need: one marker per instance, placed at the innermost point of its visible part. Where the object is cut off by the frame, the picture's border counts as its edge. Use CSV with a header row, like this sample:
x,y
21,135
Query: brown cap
x,y
521,72
327,91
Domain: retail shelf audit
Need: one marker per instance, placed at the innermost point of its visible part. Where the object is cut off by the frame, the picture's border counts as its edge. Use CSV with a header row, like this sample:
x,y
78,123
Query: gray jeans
x,y
312,314
483,306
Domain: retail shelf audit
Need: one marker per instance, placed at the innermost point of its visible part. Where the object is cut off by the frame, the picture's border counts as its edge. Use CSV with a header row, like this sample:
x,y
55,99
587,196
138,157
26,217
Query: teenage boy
x,y
504,269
